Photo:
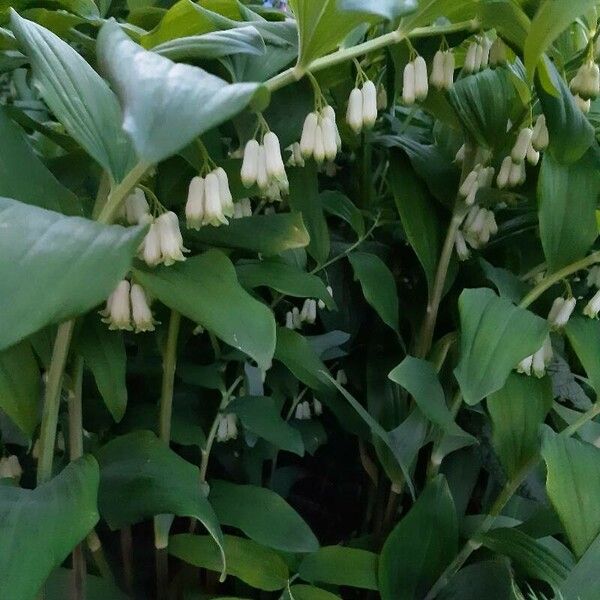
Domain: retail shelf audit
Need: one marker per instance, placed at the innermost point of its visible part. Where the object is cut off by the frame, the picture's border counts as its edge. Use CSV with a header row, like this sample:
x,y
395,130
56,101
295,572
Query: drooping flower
x,y
242,208
150,250
408,84
317,407
140,310
540,136
303,412
249,173
136,206
593,306
561,311
117,313
171,241
519,151
10,467
194,208
213,207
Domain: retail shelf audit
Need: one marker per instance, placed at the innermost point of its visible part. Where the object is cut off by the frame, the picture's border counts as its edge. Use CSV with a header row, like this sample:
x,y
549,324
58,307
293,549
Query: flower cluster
x,y
537,363
320,136
362,107
478,55
128,308
414,81
163,242
263,166
480,177
442,70
477,228
209,200
586,84
295,317
227,429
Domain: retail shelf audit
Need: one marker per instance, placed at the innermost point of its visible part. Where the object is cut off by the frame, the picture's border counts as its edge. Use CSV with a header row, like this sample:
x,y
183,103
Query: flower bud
x,y
328,113
478,58
150,251
194,207
224,192
421,84
171,242
504,173
262,178
369,104
213,211
329,141
542,358
470,58
593,306
319,153
460,246
275,166
560,315
303,411
519,151
540,137
249,172
10,467
354,113
408,84
296,319
117,314
449,65
309,130
289,320
525,365
437,77
317,407
140,309
470,181
516,175
136,206
533,156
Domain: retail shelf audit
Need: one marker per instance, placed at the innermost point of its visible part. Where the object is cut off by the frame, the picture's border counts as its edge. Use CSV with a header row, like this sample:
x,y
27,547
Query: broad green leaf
x,y
582,582
335,203
378,285
205,289
527,553
420,546
567,197
215,44
495,336
267,234
38,528
104,354
261,416
165,112
418,214
584,336
420,379
507,18
254,564
573,486
431,10
308,592
517,411
551,19
304,198
507,283
483,104
58,586
490,579
20,386
79,98
388,9
571,134
262,515
46,257
284,278
39,186
322,26
338,565
140,477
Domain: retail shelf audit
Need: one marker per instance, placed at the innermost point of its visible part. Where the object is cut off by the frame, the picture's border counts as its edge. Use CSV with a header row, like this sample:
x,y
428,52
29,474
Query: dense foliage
x,y
299,302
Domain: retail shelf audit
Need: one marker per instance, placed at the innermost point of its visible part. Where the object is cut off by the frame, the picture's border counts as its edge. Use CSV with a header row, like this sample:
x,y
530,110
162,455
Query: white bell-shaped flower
x,y
140,310
542,358
136,206
341,377
194,207
249,173
540,137
471,58
437,77
224,192
525,365
274,161
519,151
561,311
213,209
408,84
593,306
242,208
10,467
421,82
449,66
171,241
317,407
354,113
320,303
369,103
460,246
303,411
117,313
150,250
309,131
329,138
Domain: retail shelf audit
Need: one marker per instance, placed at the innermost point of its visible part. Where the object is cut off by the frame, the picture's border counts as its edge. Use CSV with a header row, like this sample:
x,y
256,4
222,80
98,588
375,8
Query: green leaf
x,y
46,257
517,411
527,553
431,10
254,564
140,477
20,386
205,289
263,516
215,44
96,588
582,582
551,19
266,234
261,416
335,203
322,27
495,336
79,98
571,134
388,9
567,196
378,285
491,580
420,546
573,486
38,528
39,187
418,214
506,282
304,198
284,278
338,565
308,592
420,379
104,354
507,18
164,113
584,336
483,104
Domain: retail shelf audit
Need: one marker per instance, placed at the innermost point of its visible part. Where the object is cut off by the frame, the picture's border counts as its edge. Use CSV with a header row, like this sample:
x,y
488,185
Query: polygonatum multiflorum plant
x,y
299,302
